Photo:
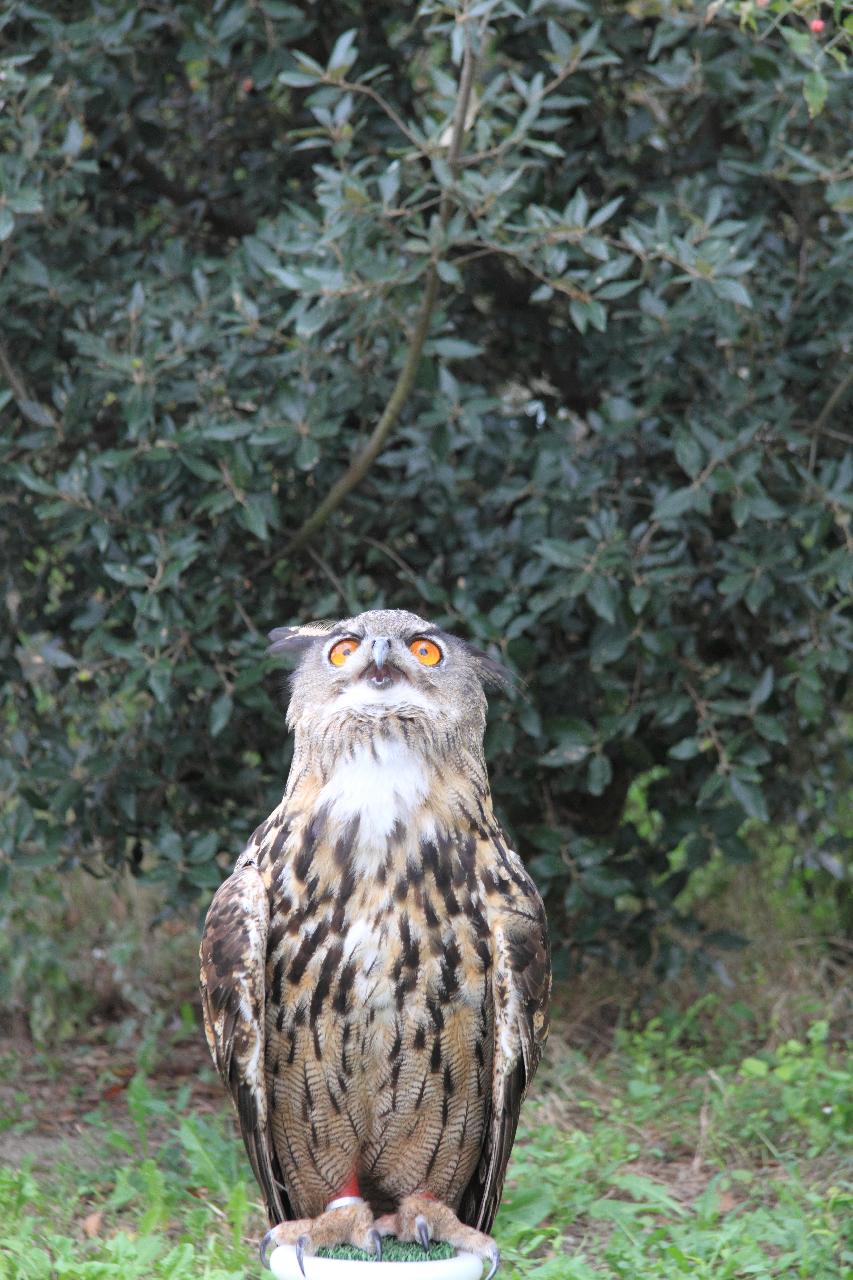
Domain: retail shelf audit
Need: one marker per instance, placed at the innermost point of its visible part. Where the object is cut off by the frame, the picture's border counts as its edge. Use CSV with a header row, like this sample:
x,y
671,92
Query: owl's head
x,y
386,664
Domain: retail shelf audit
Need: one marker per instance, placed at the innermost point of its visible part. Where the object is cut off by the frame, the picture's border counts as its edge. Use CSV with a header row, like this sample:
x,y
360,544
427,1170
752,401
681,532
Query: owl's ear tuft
x,y
493,674
297,639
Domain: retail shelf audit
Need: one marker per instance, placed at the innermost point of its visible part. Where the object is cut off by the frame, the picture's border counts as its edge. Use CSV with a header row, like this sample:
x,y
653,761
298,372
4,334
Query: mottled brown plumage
x,y
375,972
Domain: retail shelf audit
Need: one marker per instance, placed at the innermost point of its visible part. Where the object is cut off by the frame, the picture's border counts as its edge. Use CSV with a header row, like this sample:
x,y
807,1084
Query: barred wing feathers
x,y
521,986
233,959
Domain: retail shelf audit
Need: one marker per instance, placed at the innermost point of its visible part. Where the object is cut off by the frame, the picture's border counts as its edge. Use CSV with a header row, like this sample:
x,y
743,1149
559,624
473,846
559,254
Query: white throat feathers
x,y
381,784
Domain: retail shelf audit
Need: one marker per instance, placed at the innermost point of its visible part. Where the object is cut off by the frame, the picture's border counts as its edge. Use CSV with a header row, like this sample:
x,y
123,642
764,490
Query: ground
x,y
687,1146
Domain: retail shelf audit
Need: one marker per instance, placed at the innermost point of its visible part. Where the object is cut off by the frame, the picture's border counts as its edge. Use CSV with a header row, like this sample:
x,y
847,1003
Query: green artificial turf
x,y
393,1250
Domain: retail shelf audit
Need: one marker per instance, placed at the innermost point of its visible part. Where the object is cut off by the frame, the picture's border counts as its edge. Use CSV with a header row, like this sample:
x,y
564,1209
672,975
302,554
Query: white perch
x,y
283,1265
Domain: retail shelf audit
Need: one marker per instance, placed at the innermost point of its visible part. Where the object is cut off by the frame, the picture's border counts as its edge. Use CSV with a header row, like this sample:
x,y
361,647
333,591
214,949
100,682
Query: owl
x,y
375,973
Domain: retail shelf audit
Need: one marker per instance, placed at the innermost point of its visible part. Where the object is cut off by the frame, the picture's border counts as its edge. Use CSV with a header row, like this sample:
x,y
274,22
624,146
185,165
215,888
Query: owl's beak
x,y
378,673
380,653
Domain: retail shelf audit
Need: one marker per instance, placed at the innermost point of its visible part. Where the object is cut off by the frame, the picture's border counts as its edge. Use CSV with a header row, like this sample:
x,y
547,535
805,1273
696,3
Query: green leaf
x,y
604,597
599,774
53,655
732,291
559,40
26,200
566,555
449,273
606,212
750,797
160,682
808,697
815,91
771,728
220,714
7,222
669,506
389,184
588,313
226,430
127,574
762,689
36,484
299,79
253,518
608,643
688,453
455,348
604,882
73,143
574,745
307,453
344,52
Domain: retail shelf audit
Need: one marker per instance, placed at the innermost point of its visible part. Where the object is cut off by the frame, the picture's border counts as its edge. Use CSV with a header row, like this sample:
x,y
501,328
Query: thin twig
x,y
368,91
330,574
706,724
360,465
392,555
250,626
826,412
20,390
492,153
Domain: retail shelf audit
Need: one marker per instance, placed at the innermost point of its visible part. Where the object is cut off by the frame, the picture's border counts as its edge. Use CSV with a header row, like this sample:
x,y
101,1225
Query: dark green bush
x,y
622,463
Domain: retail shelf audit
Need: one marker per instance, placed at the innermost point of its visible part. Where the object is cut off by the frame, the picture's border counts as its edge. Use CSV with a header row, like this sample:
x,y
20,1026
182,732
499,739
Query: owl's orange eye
x,y
344,649
426,652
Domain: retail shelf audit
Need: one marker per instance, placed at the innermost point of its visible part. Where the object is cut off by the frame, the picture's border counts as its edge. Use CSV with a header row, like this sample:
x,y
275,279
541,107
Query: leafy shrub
x,y
595,256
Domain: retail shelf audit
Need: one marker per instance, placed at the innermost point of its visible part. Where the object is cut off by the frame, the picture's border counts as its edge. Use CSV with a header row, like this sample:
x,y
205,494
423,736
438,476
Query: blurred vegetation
x,y
603,253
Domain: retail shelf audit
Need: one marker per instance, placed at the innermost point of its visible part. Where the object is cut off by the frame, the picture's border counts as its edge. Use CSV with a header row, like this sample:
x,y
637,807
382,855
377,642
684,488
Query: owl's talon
x,y
263,1247
376,1240
423,1218
422,1228
300,1252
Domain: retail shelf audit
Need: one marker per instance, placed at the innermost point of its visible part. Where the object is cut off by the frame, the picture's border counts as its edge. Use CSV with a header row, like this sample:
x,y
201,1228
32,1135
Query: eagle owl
x,y
375,972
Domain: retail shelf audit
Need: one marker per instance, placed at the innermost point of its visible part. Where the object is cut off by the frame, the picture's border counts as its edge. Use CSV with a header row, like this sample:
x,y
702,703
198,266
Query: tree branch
x,y
360,465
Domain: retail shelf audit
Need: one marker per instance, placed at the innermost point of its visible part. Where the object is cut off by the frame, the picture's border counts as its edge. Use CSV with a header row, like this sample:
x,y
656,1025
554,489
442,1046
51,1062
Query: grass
x,y
684,1150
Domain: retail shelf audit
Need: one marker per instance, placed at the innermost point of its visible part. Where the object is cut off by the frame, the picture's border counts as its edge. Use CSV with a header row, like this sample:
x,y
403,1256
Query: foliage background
x,y
623,464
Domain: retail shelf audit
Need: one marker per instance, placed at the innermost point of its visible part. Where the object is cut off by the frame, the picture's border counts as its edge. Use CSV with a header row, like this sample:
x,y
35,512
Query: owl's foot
x,y
423,1218
347,1220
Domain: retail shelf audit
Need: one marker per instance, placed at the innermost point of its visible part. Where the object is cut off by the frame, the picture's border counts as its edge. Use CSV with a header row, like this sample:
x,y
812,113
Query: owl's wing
x,y
521,986
233,960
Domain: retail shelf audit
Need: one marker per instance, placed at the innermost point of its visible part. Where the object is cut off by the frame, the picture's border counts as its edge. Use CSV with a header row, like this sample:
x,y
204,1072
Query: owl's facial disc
x,y
385,663
366,659
382,670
